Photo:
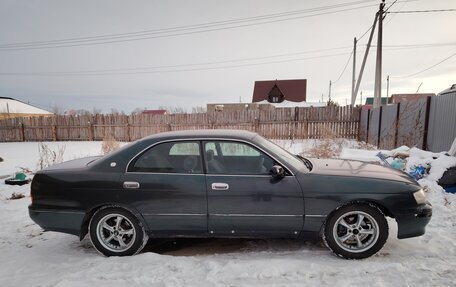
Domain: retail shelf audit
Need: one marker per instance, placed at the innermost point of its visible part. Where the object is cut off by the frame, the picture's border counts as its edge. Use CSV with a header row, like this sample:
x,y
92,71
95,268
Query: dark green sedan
x,y
225,183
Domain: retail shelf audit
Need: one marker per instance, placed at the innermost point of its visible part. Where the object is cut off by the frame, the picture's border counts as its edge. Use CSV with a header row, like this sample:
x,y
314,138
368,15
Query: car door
x,y
167,186
243,198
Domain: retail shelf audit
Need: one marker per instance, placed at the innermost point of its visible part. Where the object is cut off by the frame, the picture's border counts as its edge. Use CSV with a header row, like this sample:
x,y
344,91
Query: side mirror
x,y
277,171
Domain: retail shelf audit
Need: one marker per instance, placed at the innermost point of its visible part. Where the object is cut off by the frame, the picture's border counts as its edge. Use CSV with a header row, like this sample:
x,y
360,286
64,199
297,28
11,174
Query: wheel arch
x,y
384,210
90,213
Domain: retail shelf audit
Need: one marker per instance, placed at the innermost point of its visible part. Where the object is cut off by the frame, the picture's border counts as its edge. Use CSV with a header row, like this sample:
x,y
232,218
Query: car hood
x,y
359,169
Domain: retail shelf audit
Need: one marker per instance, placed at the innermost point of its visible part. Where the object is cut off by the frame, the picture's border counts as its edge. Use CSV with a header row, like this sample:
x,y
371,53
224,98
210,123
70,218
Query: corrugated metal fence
x,y
442,122
281,123
427,124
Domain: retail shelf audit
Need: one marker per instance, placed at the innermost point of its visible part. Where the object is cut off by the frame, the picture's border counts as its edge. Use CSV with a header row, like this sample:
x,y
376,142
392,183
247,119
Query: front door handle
x,y
220,186
131,184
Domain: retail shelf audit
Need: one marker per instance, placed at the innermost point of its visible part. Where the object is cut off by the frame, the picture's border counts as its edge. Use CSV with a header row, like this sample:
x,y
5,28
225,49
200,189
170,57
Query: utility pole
x,y
353,74
361,102
378,65
329,95
360,76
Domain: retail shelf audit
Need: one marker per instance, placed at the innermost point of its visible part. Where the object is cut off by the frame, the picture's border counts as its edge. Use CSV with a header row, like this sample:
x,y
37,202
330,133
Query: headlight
x,y
420,196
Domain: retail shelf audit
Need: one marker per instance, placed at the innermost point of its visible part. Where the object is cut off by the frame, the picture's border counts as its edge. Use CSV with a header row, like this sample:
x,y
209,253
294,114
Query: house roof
x,y
396,98
293,90
288,104
12,106
370,101
154,112
449,90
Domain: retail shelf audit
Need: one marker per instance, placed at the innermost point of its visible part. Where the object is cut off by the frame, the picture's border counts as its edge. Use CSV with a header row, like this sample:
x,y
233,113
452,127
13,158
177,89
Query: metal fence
x,y
442,122
428,124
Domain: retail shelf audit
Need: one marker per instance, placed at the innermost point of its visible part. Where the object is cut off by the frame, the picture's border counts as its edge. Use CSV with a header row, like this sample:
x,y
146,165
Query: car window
x,y
235,158
211,146
170,157
237,149
185,148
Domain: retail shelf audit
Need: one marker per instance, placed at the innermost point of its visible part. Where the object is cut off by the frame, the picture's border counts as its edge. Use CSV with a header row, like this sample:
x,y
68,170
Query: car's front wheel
x,y
116,232
356,231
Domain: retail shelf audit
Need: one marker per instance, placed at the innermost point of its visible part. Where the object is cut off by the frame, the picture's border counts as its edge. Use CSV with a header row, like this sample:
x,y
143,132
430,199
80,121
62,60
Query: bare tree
x,y
137,111
198,110
57,110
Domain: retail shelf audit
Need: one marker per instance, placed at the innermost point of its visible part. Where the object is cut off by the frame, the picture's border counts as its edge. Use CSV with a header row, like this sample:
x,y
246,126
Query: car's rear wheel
x,y
356,231
116,232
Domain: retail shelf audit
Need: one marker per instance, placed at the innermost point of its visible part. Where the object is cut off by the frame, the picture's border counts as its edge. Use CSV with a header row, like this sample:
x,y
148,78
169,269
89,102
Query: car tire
x,y
114,231
356,231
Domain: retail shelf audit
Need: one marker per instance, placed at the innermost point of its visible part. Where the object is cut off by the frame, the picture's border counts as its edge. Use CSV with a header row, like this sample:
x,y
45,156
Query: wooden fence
x,y
281,123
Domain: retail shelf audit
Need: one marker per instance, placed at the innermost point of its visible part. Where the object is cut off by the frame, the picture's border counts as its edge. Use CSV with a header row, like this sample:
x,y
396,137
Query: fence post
x,y
128,132
296,119
379,126
91,132
368,124
398,116
54,132
257,124
21,125
426,122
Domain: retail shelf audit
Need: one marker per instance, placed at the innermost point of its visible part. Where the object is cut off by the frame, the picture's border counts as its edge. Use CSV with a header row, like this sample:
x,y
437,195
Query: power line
x,y
183,30
345,67
427,69
426,45
392,16
391,5
204,63
169,68
394,2
423,11
130,72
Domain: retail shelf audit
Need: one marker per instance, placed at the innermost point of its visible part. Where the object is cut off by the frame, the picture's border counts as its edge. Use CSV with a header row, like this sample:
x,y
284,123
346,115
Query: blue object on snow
x,y
450,189
398,163
382,157
418,172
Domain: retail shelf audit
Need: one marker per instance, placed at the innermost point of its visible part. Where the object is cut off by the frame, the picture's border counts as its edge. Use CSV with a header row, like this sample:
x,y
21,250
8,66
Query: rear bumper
x,y
65,221
414,224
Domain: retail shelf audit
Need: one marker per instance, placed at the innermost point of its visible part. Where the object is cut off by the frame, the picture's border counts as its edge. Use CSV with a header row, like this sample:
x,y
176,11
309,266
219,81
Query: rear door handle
x,y
131,184
220,186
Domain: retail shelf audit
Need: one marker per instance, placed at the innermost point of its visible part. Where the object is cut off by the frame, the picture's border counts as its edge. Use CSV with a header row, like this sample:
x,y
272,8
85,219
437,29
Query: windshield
x,y
285,155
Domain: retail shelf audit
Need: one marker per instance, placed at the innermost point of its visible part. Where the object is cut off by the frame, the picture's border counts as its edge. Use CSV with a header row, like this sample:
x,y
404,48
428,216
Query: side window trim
x,y
220,153
132,162
288,171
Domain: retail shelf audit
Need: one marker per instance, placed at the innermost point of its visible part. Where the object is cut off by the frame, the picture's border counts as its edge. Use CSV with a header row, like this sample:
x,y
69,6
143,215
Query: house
x,y
268,95
450,90
231,107
369,103
278,91
11,108
398,98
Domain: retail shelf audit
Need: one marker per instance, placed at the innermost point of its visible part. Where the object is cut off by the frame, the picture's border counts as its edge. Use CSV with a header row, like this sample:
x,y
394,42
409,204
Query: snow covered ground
x,y
30,257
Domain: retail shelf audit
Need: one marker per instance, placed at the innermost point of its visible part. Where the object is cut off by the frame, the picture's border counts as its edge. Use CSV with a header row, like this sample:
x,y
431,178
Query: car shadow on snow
x,y
214,246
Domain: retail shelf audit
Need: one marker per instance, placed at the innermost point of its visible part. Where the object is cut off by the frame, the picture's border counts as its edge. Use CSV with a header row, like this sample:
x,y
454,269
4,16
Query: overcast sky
x,y
160,53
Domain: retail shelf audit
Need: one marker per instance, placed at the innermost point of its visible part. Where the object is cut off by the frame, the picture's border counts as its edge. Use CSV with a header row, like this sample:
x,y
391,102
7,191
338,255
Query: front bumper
x,y
414,224
66,221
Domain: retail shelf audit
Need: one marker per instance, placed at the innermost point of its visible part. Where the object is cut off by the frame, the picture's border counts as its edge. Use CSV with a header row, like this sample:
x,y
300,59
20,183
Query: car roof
x,y
214,133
